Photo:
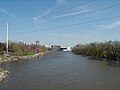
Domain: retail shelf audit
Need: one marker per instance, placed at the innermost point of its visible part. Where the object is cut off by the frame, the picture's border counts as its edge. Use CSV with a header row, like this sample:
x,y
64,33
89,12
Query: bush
x,y
108,49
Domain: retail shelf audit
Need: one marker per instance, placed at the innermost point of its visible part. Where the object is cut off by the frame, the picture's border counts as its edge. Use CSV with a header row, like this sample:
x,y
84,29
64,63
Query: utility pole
x,y
7,39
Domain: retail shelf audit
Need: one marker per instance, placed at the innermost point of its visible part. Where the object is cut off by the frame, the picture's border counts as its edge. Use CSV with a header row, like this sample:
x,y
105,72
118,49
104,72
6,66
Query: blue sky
x,y
31,20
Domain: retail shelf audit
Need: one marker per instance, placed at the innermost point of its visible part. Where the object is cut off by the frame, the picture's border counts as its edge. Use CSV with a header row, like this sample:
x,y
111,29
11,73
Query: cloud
x,y
2,10
48,11
40,18
112,25
37,20
71,14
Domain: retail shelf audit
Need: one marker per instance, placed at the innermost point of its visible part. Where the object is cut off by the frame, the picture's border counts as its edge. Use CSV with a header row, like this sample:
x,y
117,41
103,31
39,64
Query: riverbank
x,y
9,58
107,50
3,74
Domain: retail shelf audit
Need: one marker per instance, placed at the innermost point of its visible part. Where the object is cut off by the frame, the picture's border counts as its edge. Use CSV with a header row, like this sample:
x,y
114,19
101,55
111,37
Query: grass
x,y
30,53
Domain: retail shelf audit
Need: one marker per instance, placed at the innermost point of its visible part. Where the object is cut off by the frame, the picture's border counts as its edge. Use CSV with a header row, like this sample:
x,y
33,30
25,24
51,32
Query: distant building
x,y
59,48
65,49
69,48
21,43
55,47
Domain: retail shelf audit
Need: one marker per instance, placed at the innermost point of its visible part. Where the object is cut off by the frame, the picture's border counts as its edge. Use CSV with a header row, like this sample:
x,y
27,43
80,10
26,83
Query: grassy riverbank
x,y
14,58
109,50
5,73
19,51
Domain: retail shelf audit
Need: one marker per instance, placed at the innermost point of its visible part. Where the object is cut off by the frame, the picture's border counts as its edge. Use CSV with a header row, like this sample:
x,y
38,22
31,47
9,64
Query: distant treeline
x,y
21,49
108,49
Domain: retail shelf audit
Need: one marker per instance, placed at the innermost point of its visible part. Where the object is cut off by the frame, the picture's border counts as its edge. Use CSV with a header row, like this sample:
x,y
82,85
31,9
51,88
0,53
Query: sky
x,y
61,22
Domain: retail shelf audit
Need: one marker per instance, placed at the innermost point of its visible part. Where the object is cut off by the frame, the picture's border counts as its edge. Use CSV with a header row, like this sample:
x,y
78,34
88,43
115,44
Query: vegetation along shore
x,y
19,51
107,50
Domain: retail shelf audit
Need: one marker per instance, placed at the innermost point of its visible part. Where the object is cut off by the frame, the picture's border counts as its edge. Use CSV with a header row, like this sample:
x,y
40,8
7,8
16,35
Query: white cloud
x,y
39,19
71,14
112,25
2,10
48,11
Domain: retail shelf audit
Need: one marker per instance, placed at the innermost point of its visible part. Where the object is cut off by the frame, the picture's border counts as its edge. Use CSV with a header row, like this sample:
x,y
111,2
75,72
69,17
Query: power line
x,y
7,39
97,10
69,8
91,21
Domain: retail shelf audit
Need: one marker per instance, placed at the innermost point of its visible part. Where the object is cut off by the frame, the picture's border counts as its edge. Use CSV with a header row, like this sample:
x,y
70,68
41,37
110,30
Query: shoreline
x,y
16,58
113,63
4,73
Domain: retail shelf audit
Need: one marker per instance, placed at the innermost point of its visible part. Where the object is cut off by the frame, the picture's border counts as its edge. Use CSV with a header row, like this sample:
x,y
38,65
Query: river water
x,y
61,71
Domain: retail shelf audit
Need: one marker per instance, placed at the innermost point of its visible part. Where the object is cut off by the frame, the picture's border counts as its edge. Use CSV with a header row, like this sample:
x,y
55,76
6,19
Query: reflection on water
x,y
61,71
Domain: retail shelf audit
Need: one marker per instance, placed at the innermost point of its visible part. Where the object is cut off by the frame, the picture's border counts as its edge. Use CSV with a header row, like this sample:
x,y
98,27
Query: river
x,y
61,71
